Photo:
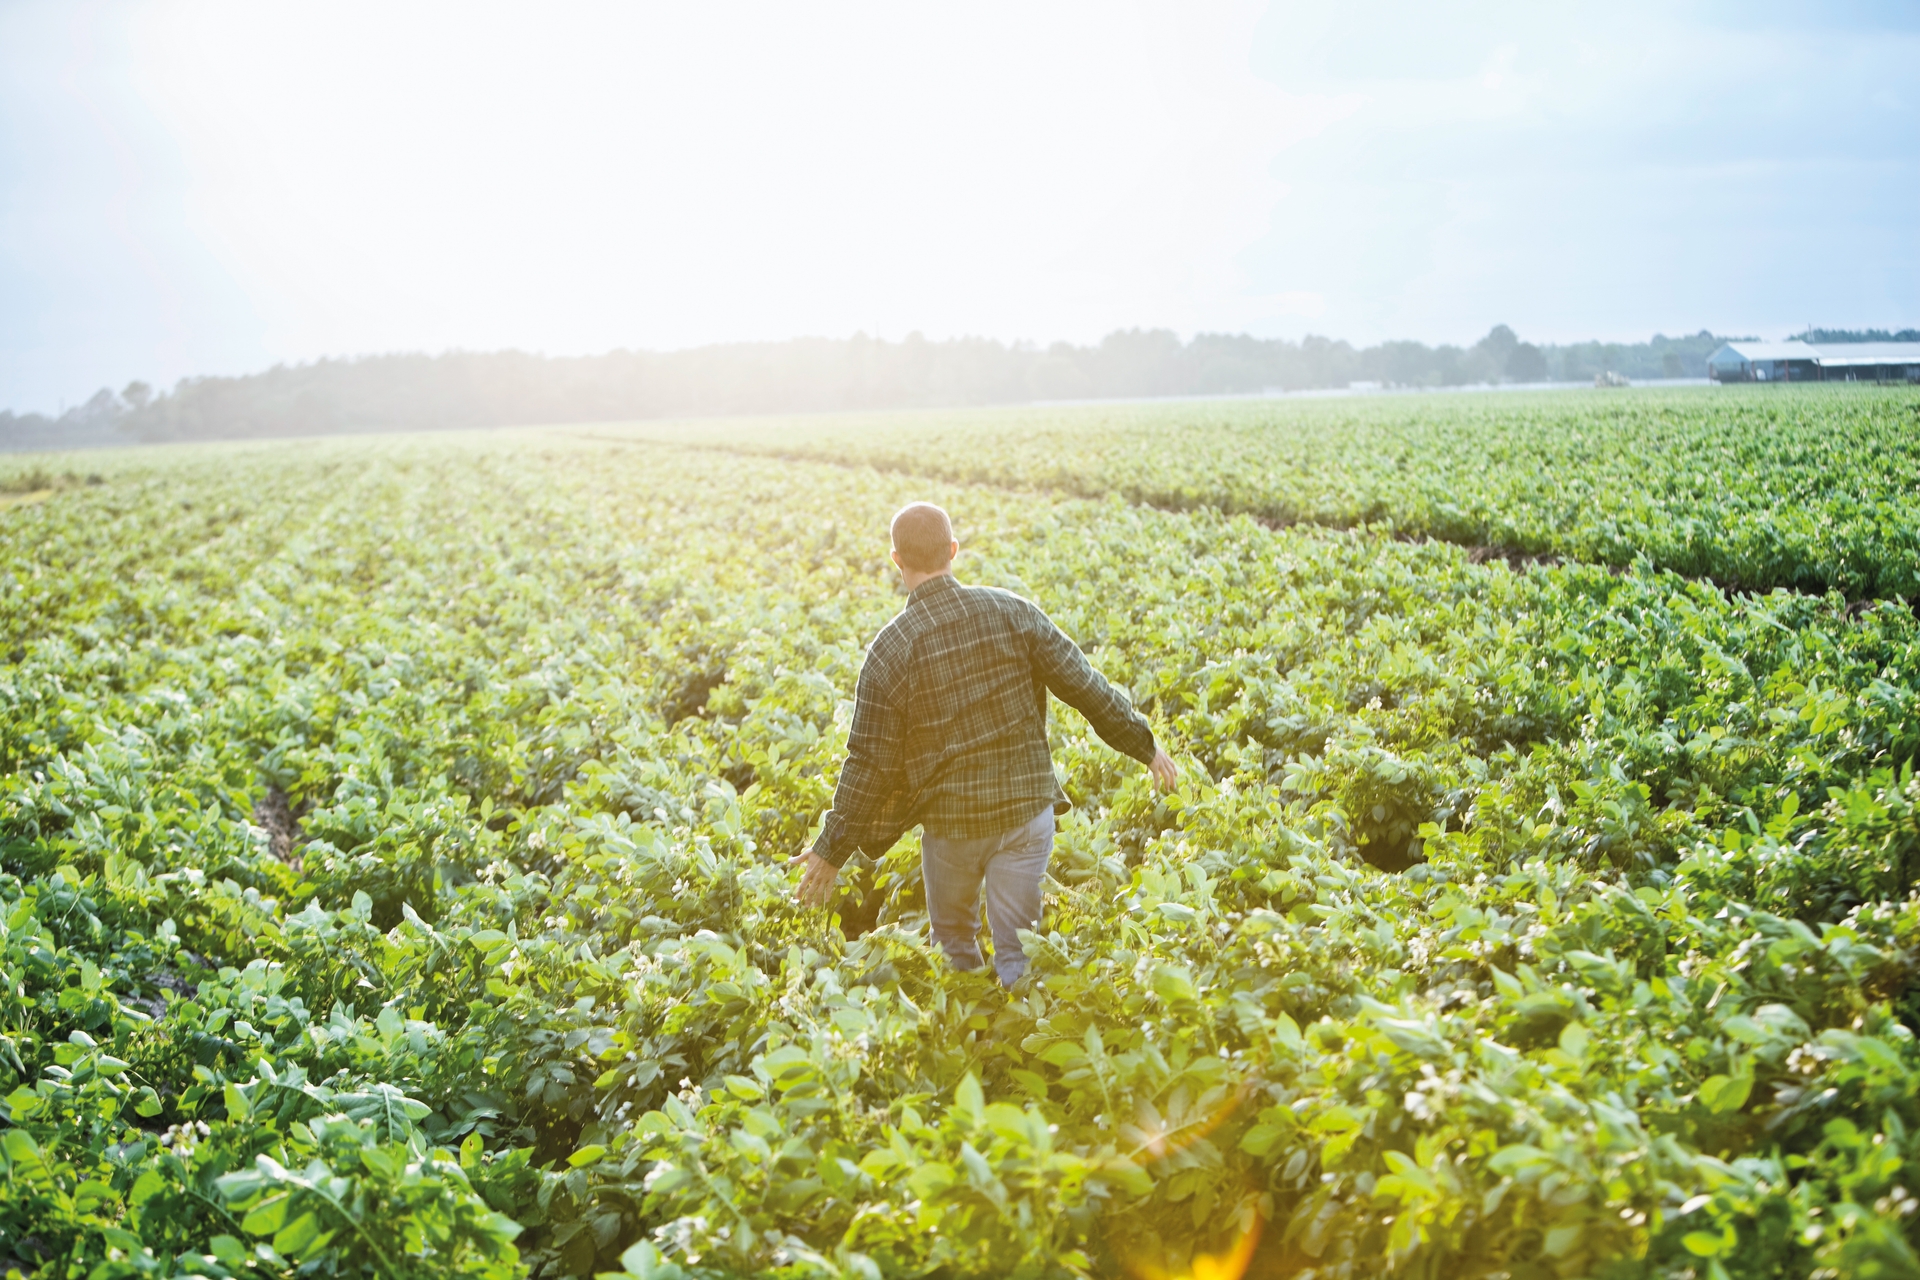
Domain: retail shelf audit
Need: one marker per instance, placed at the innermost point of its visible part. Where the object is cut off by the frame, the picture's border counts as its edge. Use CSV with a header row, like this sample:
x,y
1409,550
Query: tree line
x,y
1856,335
506,388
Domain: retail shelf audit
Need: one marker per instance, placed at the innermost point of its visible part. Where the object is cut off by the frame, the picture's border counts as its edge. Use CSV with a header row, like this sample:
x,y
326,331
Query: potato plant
x,y
392,882
1811,488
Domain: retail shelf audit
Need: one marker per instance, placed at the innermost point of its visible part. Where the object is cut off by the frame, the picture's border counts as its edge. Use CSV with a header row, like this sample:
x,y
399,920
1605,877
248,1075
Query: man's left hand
x,y
816,885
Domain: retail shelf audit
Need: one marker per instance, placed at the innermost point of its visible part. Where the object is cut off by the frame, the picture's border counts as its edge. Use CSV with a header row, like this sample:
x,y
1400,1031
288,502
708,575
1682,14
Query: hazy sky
x,y
214,187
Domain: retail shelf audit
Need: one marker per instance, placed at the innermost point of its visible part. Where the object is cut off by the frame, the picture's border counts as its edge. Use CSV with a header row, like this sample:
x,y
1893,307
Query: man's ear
x,y
953,549
894,555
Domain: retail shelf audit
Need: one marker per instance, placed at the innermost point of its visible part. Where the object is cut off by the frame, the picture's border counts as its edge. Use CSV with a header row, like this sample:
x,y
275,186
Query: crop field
x,y
1809,488
394,839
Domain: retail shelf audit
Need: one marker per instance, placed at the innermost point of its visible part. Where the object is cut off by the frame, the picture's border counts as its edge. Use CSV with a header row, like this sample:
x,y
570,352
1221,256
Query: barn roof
x,y
1755,351
1843,354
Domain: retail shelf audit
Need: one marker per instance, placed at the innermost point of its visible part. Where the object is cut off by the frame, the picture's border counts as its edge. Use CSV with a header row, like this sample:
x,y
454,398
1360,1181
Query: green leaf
x,y
968,1097
1063,1053
1174,984
1704,1244
1559,1241
294,1238
979,1172
91,1194
1262,1139
385,1162
744,1088
268,1216
1128,1176
1032,1083
930,1179
587,1155
879,1163
1724,1094
1510,1160
1416,1038
643,1262
1337,1119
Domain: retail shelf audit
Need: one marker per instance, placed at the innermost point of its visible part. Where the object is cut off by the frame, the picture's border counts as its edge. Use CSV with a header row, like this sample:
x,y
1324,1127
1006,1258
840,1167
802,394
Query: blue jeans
x,y
1012,866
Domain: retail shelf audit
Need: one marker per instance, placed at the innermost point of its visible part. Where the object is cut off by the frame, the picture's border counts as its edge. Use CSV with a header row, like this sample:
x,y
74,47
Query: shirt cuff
x,y
1147,749
833,846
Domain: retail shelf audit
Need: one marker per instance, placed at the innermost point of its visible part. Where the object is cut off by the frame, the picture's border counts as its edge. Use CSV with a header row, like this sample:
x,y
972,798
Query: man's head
x,y
923,538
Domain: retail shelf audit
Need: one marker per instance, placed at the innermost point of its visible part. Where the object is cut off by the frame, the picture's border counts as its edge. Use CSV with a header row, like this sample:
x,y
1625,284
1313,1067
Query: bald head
x,y
923,538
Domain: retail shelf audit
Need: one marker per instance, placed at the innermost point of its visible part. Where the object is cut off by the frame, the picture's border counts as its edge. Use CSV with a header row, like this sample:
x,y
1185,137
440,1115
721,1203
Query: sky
x,y
193,187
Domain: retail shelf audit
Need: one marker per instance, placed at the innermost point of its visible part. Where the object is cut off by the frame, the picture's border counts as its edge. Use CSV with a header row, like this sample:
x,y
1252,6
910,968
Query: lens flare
x,y
1230,1265
1153,1137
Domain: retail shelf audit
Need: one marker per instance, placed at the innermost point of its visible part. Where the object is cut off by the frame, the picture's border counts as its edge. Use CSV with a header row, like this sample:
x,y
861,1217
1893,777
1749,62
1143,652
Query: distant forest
x,y
505,388
1856,335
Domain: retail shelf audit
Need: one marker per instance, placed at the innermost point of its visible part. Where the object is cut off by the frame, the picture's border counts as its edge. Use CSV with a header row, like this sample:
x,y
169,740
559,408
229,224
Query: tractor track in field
x,y
1517,559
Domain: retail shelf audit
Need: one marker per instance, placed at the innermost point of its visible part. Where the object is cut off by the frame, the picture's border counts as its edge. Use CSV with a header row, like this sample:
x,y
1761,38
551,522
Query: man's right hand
x,y
1165,772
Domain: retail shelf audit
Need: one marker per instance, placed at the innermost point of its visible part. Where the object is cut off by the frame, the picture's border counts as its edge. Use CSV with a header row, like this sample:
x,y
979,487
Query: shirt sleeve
x,y
870,800
1073,680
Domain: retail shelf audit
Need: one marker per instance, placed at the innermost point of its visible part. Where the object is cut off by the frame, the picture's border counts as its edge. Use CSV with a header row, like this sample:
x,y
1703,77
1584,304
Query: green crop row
x,y
392,846
1812,488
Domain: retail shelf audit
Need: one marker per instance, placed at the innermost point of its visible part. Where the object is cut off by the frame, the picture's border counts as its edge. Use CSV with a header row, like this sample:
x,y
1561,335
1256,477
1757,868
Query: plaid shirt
x,y
950,721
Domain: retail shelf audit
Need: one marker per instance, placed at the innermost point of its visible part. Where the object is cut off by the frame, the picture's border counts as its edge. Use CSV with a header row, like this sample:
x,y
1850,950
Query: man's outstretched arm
x,y
1073,680
866,800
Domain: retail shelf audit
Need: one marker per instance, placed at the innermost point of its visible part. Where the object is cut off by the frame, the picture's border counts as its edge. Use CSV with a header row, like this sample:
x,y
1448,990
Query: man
x,y
950,731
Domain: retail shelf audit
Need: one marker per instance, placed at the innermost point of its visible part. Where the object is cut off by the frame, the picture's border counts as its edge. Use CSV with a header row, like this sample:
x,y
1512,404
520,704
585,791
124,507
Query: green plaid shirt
x,y
950,721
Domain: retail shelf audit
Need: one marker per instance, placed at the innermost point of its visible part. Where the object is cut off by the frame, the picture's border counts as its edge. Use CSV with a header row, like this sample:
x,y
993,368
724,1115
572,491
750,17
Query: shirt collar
x,y
931,586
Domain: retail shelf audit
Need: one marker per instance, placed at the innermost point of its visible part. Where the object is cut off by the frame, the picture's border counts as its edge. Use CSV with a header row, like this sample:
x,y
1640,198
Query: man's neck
x,y
912,578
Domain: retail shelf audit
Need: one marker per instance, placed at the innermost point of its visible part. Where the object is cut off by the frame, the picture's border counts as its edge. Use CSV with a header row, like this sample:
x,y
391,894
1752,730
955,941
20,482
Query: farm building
x,y
1815,362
